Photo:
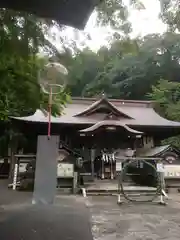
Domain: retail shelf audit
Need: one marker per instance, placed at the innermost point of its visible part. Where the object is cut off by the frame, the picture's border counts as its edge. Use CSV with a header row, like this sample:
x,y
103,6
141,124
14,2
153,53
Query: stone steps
x,y
114,191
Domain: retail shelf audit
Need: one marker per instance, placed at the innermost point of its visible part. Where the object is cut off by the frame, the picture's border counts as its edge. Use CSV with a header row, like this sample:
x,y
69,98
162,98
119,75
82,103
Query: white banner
x,y
15,176
65,170
22,167
171,171
118,166
160,167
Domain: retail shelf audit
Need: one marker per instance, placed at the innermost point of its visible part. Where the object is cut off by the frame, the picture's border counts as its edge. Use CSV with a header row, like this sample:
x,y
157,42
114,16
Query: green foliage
x,y
127,69
18,90
21,37
171,14
167,95
115,13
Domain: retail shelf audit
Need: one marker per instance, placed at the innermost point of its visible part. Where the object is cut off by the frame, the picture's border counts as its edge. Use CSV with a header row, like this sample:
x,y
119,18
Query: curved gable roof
x,y
141,114
105,103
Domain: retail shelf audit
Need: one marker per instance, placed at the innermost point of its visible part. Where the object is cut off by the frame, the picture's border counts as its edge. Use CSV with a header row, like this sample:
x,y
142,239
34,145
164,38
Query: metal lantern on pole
x,y
52,80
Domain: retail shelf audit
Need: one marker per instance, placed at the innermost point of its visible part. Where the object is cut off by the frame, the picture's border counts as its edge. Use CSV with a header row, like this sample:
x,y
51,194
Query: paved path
x,y
134,221
67,219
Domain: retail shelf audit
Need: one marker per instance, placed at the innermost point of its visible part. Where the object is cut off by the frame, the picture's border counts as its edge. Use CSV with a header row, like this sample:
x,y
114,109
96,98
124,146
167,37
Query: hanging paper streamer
x,y
108,157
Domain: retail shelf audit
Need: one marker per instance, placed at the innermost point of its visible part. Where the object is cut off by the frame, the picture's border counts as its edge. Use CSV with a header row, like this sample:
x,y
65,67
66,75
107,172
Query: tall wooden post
x,y
102,167
13,149
119,172
111,165
93,151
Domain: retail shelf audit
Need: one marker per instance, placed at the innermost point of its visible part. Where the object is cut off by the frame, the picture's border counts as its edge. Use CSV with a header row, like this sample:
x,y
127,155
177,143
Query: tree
x,y
171,14
167,95
82,71
22,35
115,13
127,69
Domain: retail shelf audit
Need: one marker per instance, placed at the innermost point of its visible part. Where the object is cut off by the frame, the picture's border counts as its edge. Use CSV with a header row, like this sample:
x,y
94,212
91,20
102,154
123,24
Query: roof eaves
x,y
110,123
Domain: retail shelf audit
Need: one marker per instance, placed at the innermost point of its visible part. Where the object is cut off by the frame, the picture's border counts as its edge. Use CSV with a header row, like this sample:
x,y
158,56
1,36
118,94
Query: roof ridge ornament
x,y
101,96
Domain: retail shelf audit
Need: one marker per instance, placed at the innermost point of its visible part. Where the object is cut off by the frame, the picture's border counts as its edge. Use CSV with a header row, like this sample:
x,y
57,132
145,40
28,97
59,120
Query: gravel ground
x,y
69,218
134,221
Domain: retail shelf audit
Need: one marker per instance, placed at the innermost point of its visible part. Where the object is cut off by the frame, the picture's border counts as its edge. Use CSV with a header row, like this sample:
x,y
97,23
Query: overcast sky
x,y
143,22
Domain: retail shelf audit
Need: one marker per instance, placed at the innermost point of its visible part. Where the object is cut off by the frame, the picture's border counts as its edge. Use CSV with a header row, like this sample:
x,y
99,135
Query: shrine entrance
x,y
105,166
107,140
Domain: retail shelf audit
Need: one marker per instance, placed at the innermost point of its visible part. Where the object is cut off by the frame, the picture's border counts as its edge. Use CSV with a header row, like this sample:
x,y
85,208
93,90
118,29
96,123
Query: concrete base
x,y
162,203
46,170
110,187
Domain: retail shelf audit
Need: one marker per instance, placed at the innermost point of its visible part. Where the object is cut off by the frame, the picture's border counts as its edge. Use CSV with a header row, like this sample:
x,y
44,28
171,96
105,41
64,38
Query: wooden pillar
x,y
93,151
13,149
12,162
75,182
87,158
102,166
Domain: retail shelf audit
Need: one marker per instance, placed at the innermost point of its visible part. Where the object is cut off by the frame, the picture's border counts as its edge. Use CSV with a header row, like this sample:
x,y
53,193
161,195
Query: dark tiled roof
x,y
74,13
141,113
152,152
